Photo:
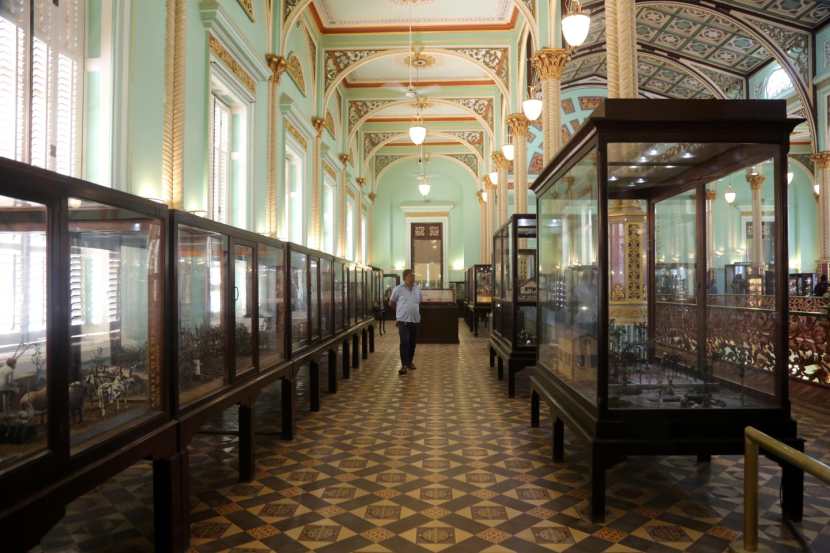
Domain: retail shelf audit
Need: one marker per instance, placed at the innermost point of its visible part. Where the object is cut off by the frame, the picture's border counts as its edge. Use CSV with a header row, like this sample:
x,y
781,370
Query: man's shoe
x,y
412,367
402,371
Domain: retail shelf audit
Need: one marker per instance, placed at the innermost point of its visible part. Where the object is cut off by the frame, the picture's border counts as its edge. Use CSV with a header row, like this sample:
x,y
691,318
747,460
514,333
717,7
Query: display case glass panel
x,y
115,318
483,284
438,295
339,296
568,277
24,416
300,331
271,311
314,297
711,341
244,297
201,260
352,294
327,297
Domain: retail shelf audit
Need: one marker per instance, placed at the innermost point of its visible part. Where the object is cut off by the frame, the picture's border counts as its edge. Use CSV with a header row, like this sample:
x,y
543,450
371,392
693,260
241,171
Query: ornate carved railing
x,y
744,335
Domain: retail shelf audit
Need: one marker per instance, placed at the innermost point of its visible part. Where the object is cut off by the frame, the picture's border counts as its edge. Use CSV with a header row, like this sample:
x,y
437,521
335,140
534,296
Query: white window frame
x,y
22,87
328,213
294,179
226,86
782,91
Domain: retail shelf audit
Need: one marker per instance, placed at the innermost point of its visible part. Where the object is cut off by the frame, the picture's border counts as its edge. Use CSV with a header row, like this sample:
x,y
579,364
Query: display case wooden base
x,y
614,436
504,356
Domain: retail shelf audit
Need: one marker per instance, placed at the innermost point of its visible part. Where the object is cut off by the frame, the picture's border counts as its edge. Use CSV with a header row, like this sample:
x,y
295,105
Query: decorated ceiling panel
x,y
809,13
377,14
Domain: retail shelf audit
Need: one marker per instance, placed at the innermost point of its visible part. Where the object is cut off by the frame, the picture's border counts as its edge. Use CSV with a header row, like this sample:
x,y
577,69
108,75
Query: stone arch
x,y
430,133
432,156
381,54
485,126
300,6
770,46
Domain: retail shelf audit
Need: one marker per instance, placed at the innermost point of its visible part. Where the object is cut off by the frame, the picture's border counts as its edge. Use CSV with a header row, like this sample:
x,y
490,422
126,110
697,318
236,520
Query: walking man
x,y
405,301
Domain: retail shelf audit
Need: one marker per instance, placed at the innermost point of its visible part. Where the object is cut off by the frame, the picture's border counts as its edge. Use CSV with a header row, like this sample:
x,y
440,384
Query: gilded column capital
x,y
821,159
518,124
755,181
345,158
500,161
372,197
490,184
277,65
360,181
318,123
711,195
480,197
550,62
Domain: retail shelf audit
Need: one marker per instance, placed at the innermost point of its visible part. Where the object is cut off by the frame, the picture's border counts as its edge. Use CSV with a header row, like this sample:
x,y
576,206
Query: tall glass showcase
x,y
633,350
479,293
339,295
390,282
513,335
271,312
299,308
326,297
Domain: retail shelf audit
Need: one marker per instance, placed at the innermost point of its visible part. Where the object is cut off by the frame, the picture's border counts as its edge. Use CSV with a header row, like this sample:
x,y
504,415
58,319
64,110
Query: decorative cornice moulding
x,y
217,22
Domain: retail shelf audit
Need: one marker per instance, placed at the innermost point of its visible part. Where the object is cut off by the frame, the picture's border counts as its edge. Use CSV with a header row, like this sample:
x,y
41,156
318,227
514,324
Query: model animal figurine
x,y
77,395
35,402
110,392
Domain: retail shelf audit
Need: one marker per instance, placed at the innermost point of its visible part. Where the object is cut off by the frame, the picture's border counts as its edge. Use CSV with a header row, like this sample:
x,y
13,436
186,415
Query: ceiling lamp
x,y
730,195
424,187
532,108
484,196
790,177
509,152
494,177
575,24
417,133
816,189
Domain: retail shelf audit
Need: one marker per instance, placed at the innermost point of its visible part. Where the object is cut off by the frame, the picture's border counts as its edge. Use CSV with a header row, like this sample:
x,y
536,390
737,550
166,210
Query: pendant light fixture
x,y
484,196
575,24
730,195
417,132
423,181
494,177
532,108
509,152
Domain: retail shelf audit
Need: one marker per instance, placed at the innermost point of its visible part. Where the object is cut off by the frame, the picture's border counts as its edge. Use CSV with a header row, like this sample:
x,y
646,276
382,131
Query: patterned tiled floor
x,y
438,460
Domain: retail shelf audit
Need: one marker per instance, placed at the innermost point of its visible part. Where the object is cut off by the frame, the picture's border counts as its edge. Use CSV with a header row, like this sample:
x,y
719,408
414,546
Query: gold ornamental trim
x,y
550,62
711,195
518,124
318,123
360,181
330,170
755,181
372,196
277,65
248,7
500,161
296,134
821,159
345,158
295,69
227,58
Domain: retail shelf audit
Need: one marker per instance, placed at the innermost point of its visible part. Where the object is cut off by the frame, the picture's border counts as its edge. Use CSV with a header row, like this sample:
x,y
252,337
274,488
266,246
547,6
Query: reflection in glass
x,y
326,293
115,287
243,276
23,278
299,300
271,305
314,298
339,299
201,257
568,277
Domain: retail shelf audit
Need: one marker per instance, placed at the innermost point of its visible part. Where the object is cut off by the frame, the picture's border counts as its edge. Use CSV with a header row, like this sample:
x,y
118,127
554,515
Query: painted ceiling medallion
x,y
419,60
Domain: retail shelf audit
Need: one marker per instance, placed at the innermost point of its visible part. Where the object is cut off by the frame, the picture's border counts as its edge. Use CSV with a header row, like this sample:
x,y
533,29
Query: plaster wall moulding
x,y
248,7
295,69
296,134
218,49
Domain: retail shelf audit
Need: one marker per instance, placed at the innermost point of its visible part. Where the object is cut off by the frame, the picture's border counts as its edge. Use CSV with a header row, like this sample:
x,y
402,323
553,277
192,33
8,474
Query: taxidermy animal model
x,y
33,402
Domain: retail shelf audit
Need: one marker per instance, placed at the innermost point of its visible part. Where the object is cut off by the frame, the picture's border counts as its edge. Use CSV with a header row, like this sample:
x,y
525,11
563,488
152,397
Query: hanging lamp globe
x,y
730,195
532,108
575,24
509,152
424,188
484,196
494,177
417,133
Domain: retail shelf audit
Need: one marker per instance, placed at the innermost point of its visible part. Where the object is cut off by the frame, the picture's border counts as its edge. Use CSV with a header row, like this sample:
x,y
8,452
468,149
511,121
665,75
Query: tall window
x,y
41,83
364,254
777,84
328,214
350,214
294,191
220,174
228,191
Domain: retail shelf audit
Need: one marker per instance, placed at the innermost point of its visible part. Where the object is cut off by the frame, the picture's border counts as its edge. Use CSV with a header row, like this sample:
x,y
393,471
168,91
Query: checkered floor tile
x,y
437,460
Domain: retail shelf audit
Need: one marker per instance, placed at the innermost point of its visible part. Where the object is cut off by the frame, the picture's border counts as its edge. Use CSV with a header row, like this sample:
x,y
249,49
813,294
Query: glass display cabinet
x,y
271,275
83,370
390,282
439,324
340,309
633,351
802,284
479,279
377,293
326,296
513,335
459,288
299,305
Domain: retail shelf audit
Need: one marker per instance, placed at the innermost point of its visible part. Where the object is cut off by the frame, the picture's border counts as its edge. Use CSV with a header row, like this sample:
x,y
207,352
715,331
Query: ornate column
x,y
621,48
341,205
710,235
492,216
482,234
278,65
370,227
501,164
549,63
172,147
756,184
316,184
822,171
518,126
358,221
